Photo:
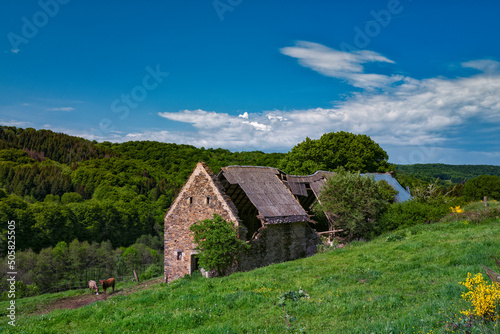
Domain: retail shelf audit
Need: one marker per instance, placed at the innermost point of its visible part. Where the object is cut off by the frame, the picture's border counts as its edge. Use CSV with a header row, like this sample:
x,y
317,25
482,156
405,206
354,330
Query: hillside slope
x,y
407,286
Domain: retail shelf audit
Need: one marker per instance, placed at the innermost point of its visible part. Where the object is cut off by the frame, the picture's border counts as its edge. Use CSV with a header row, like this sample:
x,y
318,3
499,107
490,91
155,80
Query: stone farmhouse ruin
x,y
270,208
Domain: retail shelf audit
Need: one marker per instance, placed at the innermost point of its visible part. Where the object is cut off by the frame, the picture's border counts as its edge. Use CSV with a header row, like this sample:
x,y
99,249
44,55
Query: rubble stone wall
x,y
277,243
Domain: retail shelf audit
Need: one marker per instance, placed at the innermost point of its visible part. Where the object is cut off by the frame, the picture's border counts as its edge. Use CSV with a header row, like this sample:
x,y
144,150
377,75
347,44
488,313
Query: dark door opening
x,y
194,263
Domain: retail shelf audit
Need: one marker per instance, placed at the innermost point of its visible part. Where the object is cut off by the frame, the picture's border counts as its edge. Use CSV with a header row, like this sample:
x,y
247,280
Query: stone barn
x,y
270,207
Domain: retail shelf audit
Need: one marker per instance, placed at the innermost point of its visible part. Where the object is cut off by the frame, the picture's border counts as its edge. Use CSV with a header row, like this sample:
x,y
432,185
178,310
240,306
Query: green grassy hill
x,y
406,286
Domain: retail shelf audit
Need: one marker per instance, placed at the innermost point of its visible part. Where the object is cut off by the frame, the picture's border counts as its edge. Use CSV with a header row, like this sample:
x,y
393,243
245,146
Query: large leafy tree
x,y
333,150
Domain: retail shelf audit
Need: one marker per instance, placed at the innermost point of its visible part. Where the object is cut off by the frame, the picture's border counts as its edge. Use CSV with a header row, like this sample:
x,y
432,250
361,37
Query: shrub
x,y
153,270
474,216
484,298
22,291
409,213
218,243
352,202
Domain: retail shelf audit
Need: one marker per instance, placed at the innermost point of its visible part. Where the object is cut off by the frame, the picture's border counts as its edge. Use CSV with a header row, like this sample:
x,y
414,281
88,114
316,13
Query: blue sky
x,y
421,78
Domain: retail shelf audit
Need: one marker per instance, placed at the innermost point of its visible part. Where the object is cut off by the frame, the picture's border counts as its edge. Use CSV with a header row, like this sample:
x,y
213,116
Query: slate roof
x,y
403,194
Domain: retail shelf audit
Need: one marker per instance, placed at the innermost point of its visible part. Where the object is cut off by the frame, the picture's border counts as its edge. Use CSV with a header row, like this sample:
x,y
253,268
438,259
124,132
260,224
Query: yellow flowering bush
x,y
456,209
485,298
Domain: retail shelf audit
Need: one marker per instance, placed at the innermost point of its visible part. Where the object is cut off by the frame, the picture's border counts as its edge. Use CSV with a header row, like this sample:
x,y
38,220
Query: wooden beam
x,y
329,232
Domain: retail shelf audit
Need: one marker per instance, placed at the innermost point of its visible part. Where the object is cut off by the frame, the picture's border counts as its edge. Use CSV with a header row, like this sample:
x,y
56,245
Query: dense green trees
x,y
333,150
43,224
58,187
80,261
484,185
450,173
43,144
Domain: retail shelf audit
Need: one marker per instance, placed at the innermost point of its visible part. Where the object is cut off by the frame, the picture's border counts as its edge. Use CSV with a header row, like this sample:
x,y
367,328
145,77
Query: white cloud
x,y
259,126
202,119
61,109
279,118
484,65
12,122
342,65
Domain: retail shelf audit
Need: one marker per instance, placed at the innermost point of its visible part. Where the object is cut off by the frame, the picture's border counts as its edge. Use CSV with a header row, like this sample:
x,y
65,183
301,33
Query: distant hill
x,y
451,173
60,147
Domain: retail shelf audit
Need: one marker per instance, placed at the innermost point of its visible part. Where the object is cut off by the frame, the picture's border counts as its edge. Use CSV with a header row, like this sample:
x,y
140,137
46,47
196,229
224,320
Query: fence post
x,y
136,278
485,202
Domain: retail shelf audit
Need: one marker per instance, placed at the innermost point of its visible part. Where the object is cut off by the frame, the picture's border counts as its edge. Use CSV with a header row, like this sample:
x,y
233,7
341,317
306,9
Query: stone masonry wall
x,y
278,243
198,200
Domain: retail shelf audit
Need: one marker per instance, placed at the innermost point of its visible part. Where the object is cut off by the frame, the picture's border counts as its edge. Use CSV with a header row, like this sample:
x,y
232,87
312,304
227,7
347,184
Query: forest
x,y
448,173
70,196
60,188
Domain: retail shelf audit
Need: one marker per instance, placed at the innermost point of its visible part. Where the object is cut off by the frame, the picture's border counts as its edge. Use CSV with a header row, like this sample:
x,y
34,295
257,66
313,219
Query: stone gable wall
x,y
198,200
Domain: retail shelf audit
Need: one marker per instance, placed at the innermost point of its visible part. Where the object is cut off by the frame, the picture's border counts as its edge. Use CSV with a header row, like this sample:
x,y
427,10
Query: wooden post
x,y
136,278
485,202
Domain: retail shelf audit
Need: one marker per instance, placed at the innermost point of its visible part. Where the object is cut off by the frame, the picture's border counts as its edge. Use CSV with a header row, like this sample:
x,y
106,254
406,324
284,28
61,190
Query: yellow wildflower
x,y
484,297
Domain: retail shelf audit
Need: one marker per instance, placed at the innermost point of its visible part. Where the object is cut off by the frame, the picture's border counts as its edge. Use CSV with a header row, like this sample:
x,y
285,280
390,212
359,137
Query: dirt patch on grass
x,y
71,303
75,302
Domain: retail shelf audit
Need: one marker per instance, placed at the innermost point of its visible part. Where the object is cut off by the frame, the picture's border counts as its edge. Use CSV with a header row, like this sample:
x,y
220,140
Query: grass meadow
x,y
409,285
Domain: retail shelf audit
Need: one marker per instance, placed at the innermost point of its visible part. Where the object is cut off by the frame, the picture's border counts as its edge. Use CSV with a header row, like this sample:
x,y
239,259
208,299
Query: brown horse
x,y
93,286
109,283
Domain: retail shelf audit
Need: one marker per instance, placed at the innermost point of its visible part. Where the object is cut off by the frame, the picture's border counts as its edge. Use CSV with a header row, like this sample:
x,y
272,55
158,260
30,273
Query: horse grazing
x,y
93,287
109,283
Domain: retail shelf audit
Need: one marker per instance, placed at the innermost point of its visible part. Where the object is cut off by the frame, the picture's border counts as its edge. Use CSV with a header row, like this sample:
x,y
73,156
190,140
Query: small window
x,y
179,255
207,200
190,200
